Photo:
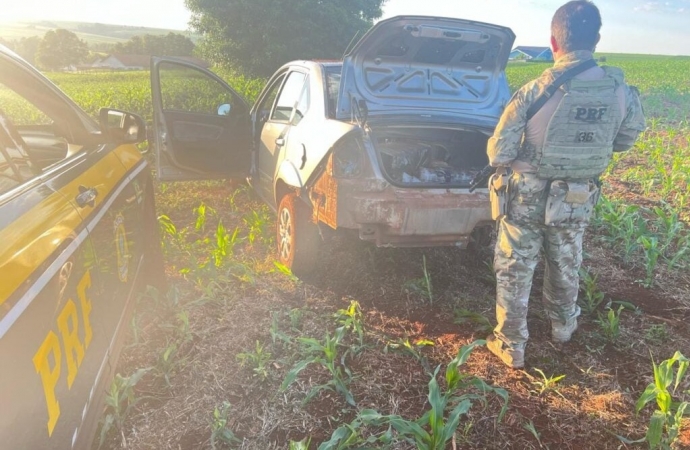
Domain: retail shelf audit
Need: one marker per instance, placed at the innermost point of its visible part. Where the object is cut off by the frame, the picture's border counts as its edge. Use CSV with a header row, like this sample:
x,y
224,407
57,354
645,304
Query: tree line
x,y
61,48
252,37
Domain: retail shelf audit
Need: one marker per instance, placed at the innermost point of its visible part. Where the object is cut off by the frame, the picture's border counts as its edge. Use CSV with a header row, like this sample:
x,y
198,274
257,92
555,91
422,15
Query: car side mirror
x,y
121,127
224,109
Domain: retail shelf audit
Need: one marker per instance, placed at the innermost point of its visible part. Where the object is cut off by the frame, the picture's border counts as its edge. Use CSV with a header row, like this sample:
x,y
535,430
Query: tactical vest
x,y
578,143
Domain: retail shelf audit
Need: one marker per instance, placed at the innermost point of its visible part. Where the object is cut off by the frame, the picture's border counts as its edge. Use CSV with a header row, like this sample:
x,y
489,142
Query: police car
x,y
78,242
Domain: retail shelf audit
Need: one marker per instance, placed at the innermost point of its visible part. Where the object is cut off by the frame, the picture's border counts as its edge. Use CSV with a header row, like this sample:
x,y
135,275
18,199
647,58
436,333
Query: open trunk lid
x,y
427,66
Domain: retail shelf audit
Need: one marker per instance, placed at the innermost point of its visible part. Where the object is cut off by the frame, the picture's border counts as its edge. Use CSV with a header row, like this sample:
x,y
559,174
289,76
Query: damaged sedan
x,y
385,142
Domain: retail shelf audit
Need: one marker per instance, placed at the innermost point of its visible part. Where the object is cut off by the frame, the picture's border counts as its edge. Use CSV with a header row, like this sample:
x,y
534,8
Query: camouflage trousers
x,y
522,236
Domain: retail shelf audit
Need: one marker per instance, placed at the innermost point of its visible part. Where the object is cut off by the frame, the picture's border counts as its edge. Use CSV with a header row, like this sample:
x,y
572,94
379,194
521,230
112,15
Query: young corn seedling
x,y
201,211
301,445
436,427
257,360
593,297
529,426
610,324
119,400
652,251
665,423
224,244
169,362
325,354
220,433
275,331
414,350
257,222
421,286
285,270
546,384
480,323
296,316
352,320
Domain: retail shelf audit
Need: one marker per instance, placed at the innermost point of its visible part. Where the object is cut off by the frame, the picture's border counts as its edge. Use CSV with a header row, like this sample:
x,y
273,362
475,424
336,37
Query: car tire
x,y
297,236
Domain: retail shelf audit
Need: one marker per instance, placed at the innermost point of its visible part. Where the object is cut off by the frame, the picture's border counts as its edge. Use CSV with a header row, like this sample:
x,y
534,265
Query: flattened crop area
x,y
240,354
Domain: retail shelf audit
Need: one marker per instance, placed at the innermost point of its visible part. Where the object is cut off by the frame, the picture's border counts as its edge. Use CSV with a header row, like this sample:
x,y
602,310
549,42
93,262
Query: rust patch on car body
x,y
324,196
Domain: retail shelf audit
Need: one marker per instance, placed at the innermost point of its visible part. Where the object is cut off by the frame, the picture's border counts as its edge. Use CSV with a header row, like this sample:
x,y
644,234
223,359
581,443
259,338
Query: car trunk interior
x,y
431,157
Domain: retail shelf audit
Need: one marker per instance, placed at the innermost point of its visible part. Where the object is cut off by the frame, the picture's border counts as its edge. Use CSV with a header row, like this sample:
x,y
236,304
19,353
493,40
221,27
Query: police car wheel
x,y
297,236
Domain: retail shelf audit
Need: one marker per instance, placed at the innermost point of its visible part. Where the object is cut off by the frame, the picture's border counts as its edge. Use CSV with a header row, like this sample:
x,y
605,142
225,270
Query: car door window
x,y
267,103
288,96
20,110
186,89
37,139
302,105
15,164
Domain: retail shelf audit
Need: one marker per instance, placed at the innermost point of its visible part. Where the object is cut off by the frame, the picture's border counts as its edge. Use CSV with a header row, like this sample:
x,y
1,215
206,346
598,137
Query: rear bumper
x,y
413,217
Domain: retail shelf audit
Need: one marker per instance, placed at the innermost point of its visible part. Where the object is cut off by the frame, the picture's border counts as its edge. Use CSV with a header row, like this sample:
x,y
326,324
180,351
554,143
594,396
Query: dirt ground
x,y
252,302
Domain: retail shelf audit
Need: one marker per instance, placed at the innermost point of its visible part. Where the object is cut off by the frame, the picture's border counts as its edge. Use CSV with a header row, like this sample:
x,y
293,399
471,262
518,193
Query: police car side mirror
x,y
121,127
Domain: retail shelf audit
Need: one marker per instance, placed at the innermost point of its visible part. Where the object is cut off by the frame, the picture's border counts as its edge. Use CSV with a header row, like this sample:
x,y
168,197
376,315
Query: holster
x,y
498,193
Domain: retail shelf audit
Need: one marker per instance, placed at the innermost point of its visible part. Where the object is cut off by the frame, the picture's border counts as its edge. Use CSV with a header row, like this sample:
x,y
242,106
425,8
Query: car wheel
x,y
297,236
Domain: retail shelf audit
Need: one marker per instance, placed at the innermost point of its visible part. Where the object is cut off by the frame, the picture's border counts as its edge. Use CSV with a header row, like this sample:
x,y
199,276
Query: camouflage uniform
x,y
523,233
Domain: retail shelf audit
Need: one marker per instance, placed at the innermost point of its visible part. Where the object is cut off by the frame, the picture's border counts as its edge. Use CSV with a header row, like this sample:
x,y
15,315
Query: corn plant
x,y
593,297
275,331
200,212
220,433
352,320
257,360
652,251
296,316
546,384
405,346
285,270
348,436
119,399
665,423
258,223
301,445
173,239
436,427
480,323
224,243
529,426
610,323
325,354
421,286
169,362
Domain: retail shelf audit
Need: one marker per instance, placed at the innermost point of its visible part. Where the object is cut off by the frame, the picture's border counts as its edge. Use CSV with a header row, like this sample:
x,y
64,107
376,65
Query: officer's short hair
x,y
576,25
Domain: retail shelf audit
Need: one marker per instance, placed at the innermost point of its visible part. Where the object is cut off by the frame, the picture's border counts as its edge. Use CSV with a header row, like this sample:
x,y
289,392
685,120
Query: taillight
x,y
348,158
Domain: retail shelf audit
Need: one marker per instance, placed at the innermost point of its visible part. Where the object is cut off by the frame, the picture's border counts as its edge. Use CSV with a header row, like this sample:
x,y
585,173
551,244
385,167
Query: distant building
x,y
531,54
118,61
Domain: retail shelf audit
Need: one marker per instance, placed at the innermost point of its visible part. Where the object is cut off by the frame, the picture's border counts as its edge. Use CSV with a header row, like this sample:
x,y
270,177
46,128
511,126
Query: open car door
x,y
202,127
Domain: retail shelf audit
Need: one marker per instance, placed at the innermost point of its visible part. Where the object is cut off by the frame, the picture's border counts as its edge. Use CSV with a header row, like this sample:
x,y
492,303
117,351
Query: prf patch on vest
x,y
590,114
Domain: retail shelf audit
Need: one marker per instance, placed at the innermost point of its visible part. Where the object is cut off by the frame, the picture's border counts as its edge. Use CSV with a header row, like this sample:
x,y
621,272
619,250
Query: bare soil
x,y
587,409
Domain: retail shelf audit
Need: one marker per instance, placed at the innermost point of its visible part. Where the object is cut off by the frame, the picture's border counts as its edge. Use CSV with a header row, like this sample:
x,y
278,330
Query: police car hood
x,y
426,65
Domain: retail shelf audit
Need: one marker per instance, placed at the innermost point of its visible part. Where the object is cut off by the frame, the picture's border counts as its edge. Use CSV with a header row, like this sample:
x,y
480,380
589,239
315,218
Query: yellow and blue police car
x,y
78,242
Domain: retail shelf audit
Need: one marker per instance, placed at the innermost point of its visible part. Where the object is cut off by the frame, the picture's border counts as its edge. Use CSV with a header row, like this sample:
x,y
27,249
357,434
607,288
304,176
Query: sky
x,y
630,26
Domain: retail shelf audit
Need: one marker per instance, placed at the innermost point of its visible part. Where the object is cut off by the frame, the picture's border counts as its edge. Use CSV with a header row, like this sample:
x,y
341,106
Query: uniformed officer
x,y
556,145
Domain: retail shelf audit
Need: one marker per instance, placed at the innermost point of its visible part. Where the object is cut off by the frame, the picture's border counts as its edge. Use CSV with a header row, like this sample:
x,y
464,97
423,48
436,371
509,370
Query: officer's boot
x,y
562,332
511,357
